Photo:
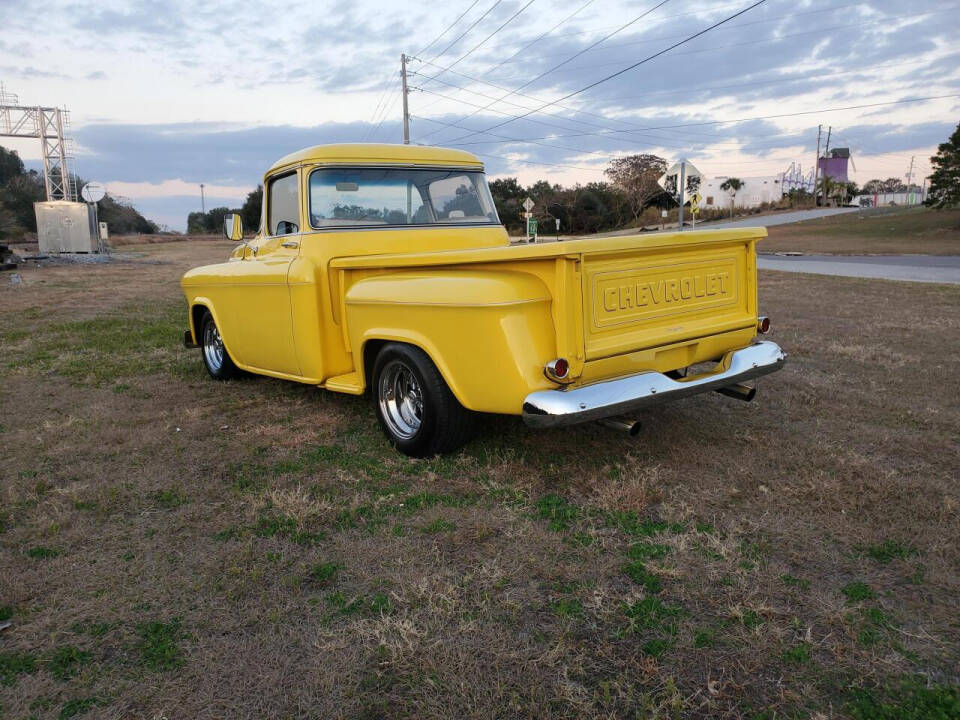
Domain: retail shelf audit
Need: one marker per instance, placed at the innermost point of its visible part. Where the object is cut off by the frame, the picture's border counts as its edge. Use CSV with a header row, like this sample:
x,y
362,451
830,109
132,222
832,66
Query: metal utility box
x,y
66,227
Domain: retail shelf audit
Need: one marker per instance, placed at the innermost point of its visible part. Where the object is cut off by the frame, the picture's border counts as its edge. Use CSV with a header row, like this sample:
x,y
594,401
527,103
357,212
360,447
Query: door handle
x,y
290,244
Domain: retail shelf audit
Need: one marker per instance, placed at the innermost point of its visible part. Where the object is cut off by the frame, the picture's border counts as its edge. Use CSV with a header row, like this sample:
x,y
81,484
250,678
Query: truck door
x,y
266,327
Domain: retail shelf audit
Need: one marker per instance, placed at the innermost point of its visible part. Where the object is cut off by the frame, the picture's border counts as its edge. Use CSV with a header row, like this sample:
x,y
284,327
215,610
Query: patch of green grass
x,y
858,592
13,664
567,607
656,647
73,708
578,539
438,526
84,505
158,644
381,604
652,613
632,524
323,572
93,629
638,572
705,527
791,581
169,499
912,700
890,550
269,524
228,533
67,661
647,551
42,553
6,612
559,511
797,655
751,619
704,638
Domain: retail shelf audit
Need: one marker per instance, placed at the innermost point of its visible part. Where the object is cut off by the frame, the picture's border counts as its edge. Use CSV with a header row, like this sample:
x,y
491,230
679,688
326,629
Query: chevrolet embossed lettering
x,y
644,293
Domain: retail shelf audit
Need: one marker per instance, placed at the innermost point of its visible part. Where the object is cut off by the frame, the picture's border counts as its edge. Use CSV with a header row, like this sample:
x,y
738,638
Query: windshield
x,y
399,196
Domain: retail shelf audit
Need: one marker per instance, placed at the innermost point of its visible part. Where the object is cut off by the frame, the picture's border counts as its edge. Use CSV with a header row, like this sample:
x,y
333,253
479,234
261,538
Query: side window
x,y
283,208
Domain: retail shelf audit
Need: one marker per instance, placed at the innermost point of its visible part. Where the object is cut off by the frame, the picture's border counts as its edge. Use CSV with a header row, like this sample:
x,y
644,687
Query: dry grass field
x,y
886,231
172,547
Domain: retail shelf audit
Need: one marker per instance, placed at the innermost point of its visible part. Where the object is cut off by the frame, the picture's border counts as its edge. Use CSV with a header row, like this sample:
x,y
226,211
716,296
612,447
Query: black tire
x,y
214,353
435,425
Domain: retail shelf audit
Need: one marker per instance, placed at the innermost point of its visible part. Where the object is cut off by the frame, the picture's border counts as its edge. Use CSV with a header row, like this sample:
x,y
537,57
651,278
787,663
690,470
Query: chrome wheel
x,y
213,350
401,400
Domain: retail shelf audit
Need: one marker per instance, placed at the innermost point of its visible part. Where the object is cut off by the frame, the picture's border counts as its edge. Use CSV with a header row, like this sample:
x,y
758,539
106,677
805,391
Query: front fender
x,y
489,332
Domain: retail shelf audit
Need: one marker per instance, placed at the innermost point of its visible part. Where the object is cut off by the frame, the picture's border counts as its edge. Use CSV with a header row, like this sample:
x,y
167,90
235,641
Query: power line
x,y
775,18
387,109
464,33
572,57
448,28
818,31
724,122
656,138
585,112
532,42
779,81
484,41
628,68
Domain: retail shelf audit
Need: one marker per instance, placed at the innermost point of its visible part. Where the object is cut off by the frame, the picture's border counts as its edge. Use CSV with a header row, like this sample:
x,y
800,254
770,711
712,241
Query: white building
x,y
755,190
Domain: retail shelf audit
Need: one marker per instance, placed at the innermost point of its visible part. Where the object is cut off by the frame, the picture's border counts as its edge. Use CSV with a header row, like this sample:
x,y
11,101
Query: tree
x,y
637,176
732,185
873,187
828,186
945,181
252,206
10,165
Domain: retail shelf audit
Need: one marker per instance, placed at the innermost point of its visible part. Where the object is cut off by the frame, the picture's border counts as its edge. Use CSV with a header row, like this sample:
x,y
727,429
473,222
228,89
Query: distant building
x,y
755,190
884,199
835,166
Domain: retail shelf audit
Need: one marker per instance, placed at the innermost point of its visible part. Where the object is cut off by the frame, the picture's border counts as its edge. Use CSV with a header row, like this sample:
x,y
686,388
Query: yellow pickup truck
x,y
386,267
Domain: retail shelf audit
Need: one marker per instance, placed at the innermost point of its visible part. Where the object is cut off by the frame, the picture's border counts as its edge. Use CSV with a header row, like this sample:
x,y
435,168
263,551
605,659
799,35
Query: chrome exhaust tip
x,y
630,427
738,391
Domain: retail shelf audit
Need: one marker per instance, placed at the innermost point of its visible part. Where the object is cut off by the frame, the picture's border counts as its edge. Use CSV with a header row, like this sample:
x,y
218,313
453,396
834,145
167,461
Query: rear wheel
x,y
215,356
416,409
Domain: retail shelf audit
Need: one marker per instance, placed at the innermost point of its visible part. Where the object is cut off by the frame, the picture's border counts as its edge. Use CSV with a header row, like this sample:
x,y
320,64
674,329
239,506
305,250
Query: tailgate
x,y
647,297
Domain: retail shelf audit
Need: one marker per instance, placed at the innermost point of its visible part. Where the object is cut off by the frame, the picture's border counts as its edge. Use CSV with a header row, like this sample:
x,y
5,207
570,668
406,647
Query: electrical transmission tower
x,y
48,124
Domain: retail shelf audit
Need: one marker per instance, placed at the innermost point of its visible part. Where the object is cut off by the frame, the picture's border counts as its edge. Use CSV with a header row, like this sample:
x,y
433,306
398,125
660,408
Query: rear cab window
x,y
370,197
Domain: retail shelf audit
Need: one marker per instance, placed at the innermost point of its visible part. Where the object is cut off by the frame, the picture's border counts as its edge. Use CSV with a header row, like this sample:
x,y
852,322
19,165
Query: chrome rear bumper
x,y
553,408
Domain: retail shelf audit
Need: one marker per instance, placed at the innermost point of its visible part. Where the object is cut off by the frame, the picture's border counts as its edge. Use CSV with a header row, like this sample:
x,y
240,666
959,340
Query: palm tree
x,y
829,187
732,185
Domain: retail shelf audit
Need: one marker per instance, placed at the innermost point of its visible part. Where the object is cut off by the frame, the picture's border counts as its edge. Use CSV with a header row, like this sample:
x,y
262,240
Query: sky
x,y
165,96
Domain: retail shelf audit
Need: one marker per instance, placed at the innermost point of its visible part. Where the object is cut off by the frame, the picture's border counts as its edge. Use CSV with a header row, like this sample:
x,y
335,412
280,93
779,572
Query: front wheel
x,y
215,356
416,409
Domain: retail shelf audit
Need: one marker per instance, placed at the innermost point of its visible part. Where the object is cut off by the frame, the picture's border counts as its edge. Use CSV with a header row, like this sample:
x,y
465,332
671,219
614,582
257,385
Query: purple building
x,y
835,166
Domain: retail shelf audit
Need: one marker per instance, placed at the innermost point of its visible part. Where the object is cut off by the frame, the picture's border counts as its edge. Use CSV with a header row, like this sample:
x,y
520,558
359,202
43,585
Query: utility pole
x,y
406,110
910,176
203,204
683,180
816,167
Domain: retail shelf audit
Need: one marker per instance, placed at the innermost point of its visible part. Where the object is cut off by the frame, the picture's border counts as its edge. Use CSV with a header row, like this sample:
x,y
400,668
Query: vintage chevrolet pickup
x,y
386,267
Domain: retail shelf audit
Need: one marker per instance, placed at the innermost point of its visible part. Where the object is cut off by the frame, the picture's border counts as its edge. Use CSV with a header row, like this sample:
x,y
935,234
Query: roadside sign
x,y
695,203
93,192
531,228
528,204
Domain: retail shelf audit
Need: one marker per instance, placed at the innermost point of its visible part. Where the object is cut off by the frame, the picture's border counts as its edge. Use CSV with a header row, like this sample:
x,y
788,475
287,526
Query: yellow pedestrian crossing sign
x,y
695,203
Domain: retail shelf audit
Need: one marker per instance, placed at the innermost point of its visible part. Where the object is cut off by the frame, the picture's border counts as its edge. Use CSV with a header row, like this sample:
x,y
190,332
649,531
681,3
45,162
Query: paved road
x,y
915,268
777,219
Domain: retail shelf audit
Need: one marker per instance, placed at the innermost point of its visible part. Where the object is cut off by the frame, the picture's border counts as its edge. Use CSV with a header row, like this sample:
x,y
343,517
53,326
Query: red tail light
x,y
557,369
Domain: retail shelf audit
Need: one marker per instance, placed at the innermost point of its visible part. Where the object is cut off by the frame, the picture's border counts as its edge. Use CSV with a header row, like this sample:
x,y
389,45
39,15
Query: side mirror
x,y
233,226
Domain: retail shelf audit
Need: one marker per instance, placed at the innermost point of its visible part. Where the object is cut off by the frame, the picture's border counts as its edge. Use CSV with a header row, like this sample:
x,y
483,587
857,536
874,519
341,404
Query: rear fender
x,y
488,332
